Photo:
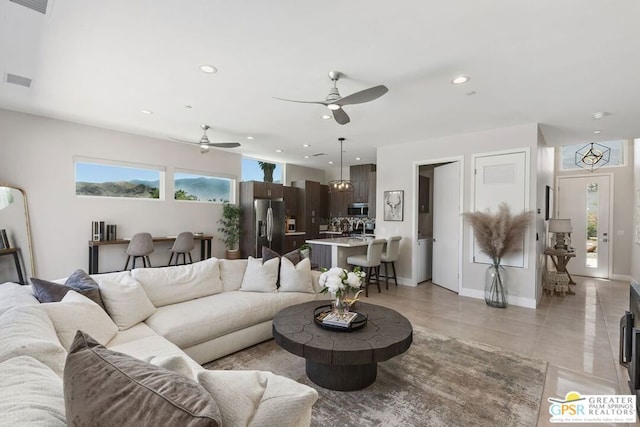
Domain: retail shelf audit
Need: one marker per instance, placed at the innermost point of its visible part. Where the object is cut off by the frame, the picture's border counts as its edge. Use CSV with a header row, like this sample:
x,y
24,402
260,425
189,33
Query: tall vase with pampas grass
x,y
498,234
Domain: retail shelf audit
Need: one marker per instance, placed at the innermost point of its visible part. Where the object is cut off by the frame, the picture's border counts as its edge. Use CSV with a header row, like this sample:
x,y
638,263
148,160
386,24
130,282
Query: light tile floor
x,y
577,334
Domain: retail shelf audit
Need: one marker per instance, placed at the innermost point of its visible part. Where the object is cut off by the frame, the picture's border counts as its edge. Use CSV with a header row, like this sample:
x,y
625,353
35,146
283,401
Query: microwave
x,y
358,209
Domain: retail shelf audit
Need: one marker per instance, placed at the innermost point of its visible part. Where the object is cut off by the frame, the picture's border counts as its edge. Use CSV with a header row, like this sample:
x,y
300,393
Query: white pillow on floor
x,y
260,277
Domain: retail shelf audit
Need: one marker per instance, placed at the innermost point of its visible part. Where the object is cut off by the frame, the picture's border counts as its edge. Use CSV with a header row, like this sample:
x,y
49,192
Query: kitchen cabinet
x,y
359,175
423,194
323,208
290,196
308,218
266,190
292,242
372,194
338,203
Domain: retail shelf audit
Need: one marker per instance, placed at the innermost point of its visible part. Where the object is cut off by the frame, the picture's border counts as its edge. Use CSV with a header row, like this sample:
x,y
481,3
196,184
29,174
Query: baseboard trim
x,y
511,300
621,277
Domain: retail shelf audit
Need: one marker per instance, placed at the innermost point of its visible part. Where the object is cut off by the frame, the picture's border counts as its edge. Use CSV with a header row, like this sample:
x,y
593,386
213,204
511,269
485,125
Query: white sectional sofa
x,y
176,317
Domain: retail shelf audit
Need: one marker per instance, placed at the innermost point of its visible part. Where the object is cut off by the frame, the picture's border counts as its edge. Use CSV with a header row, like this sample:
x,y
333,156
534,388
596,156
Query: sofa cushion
x,y
12,294
28,331
79,281
104,387
31,394
259,276
203,319
259,398
232,273
76,312
295,278
171,285
127,303
116,276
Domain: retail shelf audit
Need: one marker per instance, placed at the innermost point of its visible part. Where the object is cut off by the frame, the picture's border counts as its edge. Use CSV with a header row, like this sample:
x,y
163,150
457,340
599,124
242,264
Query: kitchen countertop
x,y
295,233
345,242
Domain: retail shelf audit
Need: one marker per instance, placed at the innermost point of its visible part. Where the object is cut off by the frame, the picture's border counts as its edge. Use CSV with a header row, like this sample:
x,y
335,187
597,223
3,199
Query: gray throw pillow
x,y
104,387
294,256
79,281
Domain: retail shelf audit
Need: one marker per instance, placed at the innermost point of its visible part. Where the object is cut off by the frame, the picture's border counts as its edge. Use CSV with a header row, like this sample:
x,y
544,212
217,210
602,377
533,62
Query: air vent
x,y
37,5
319,154
18,80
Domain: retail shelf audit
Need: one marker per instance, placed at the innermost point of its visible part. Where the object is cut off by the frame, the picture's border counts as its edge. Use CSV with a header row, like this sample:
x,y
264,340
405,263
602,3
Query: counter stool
x,y
140,246
183,245
390,256
370,262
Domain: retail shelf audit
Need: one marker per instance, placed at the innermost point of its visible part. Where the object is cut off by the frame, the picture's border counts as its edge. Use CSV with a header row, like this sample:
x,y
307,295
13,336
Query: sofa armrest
x,y
259,398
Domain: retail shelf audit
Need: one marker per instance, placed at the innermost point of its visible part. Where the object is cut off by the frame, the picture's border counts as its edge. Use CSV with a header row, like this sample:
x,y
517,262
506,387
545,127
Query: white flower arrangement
x,y
340,282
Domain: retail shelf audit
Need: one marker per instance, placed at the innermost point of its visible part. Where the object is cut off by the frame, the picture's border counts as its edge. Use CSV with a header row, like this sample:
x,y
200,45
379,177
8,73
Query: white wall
x,y
397,167
635,247
37,155
545,169
296,173
622,212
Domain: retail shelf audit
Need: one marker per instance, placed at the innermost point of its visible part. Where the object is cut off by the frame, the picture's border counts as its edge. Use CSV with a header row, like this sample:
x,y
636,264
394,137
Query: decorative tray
x,y
319,313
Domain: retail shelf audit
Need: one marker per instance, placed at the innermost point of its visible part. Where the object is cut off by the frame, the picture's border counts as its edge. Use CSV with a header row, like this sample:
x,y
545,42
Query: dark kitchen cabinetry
x,y
265,190
360,177
293,242
323,209
308,218
290,195
338,203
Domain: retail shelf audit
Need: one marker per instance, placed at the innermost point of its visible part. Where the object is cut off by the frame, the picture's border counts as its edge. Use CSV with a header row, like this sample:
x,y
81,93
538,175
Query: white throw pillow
x,y
171,285
295,278
76,312
260,277
31,394
28,331
126,303
231,273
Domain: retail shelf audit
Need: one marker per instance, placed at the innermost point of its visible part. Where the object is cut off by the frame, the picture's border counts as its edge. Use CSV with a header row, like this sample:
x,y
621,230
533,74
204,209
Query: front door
x,y
446,226
585,201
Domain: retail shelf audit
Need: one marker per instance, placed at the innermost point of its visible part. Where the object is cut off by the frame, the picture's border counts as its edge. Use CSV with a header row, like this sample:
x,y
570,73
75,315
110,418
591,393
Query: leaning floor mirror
x,y
16,254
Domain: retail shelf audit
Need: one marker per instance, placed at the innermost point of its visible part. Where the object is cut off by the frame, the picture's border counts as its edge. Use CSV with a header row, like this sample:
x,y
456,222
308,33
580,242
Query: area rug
x,y
439,381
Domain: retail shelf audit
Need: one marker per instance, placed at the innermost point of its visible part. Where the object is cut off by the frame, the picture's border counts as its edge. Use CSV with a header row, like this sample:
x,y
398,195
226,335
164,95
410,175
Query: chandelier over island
x,y
341,185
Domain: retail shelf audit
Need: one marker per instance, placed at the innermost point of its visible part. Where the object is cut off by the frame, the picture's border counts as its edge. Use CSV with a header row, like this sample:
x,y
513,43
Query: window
x,y
197,186
252,171
568,154
104,178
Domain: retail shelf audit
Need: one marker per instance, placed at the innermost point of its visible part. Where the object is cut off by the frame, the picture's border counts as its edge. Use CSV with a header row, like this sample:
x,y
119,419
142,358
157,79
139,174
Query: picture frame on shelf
x,y
394,205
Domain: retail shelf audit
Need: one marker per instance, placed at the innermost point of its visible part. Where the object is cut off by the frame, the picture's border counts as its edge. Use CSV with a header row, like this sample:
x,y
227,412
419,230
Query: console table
x,y
560,260
94,248
15,252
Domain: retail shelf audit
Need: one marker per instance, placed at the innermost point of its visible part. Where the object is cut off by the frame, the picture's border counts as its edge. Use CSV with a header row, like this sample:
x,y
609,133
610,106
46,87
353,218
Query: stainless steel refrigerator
x,y
269,217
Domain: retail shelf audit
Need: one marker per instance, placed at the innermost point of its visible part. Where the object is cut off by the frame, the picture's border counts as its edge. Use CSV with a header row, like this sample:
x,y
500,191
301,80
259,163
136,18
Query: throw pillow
x,y
76,312
294,256
260,277
31,394
126,303
79,281
295,278
268,253
104,387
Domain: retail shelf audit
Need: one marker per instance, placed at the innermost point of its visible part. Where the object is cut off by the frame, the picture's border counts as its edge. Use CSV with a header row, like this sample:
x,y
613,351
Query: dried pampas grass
x,y
501,233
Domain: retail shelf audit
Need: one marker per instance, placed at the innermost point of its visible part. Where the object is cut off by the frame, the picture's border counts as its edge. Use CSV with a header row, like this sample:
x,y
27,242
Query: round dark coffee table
x,y
338,360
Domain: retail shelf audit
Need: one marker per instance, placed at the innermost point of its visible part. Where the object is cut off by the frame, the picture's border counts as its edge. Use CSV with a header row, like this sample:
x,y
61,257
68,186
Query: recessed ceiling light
x,y
250,138
459,80
473,92
148,112
325,117
357,158
306,157
596,132
305,145
599,114
330,162
188,107
278,151
209,69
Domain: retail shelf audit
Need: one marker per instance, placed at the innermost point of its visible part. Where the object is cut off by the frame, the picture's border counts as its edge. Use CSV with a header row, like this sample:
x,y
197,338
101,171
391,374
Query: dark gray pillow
x,y
104,387
294,256
46,291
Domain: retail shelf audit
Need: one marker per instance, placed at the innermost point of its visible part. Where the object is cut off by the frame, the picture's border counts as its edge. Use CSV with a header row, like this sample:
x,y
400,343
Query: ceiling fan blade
x,y
341,117
224,144
364,95
303,102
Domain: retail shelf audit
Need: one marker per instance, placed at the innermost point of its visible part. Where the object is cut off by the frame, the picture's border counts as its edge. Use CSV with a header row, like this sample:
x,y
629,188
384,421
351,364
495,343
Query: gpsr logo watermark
x,y
606,408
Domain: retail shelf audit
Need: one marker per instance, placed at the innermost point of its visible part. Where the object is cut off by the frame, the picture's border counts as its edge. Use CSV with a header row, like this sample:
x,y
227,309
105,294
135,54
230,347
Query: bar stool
x,y
370,261
183,245
140,246
390,256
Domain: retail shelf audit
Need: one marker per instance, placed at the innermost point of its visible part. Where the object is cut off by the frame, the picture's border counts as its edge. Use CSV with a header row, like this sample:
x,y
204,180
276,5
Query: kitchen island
x,y
333,252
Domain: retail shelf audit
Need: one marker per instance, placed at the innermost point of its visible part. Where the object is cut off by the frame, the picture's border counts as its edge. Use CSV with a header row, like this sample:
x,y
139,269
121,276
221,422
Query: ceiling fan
x,y
205,144
335,102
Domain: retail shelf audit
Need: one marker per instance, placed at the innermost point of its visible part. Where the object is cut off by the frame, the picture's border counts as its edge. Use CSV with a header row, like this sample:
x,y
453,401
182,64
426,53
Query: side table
x,y
560,259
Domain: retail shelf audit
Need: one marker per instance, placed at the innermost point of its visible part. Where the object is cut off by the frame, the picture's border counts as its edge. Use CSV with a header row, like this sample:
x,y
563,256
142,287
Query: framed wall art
x,y
394,205
548,205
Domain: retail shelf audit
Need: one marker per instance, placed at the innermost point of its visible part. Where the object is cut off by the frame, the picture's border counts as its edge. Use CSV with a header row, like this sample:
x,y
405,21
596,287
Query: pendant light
x,y
341,185
593,156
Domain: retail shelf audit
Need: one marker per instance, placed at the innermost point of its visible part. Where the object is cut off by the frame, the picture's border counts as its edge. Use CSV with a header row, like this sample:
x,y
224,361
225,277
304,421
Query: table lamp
x,y
561,228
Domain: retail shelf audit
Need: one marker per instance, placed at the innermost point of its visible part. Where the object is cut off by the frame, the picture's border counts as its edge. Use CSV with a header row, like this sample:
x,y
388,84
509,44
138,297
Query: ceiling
x,y
102,62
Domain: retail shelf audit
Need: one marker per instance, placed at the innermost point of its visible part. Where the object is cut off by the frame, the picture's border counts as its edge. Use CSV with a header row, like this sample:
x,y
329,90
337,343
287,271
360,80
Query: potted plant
x,y
230,229
305,250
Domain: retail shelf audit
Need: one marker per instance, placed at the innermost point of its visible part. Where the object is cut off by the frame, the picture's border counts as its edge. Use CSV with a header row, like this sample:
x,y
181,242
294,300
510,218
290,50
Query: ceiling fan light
x,y
333,107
